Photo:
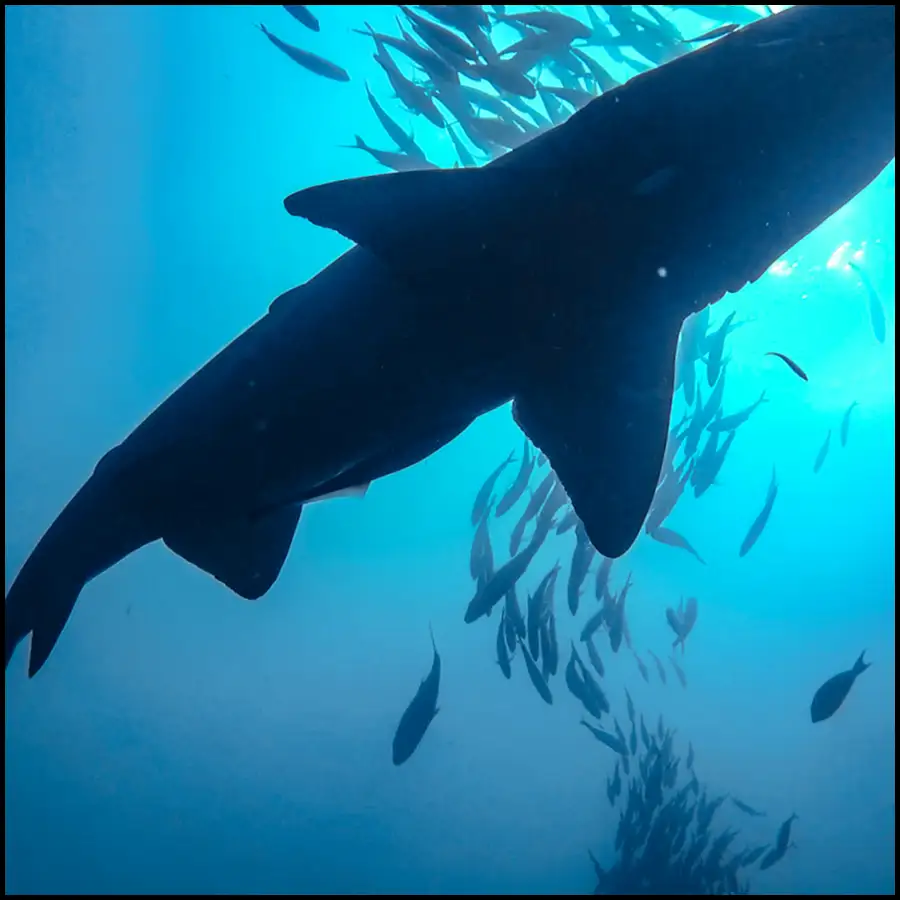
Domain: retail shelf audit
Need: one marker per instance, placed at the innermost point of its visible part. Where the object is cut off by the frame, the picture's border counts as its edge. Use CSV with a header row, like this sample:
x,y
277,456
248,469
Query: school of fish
x,y
666,841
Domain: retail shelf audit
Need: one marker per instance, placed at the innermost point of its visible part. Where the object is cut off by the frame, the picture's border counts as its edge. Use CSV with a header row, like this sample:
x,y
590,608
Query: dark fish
x,y
674,621
462,17
584,687
575,97
517,488
531,510
534,673
505,76
540,605
304,16
828,698
759,523
790,363
668,493
483,499
674,539
595,659
601,584
876,308
548,20
419,714
502,648
660,669
707,478
629,706
689,762
845,423
481,557
716,348
746,808
614,742
406,144
751,856
550,655
603,81
465,157
420,328
735,420
514,614
721,31
558,114
621,736
568,522
399,162
781,845
581,563
632,740
679,672
503,580
642,668
493,103
411,95
440,39
497,131
427,60
783,838
617,619
573,675
645,735
545,651
594,623
823,452
310,61
506,577
556,500
509,629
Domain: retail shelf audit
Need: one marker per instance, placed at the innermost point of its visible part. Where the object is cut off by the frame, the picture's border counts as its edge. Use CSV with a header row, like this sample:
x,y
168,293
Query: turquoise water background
x,y
183,740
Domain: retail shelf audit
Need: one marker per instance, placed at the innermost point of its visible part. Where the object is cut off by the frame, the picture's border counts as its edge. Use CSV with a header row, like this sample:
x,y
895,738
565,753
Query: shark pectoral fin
x,y
602,419
245,553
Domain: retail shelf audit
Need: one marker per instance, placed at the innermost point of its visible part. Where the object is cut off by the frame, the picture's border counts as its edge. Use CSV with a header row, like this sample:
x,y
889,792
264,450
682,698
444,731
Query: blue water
x,y
183,740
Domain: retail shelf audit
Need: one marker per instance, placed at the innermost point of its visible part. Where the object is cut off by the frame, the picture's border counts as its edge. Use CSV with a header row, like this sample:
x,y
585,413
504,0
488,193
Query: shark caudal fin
x,y
39,603
94,532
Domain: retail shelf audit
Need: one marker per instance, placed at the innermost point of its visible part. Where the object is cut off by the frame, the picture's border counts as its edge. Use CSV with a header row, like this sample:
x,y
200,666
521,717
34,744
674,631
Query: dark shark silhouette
x,y
558,277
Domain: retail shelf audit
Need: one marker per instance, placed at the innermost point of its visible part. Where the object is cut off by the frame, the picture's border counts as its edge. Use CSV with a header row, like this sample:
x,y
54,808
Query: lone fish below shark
x,y
470,288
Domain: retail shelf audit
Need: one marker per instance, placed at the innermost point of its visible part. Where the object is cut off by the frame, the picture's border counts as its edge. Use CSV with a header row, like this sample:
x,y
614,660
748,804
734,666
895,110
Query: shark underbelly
x,y
347,368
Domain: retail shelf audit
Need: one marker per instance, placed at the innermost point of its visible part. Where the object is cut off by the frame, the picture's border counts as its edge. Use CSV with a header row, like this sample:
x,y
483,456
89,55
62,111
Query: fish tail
x,y
860,665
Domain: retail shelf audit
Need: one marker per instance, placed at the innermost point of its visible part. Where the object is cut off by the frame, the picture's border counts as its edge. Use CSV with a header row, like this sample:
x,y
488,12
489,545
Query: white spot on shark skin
x,y
662,271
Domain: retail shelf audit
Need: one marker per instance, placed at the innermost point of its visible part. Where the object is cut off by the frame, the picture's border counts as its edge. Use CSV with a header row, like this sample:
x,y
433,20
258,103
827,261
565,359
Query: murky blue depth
x,y
181,740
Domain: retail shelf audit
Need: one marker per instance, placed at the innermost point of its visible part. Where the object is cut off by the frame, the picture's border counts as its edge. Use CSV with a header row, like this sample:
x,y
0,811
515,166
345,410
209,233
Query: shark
x,y
556,278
